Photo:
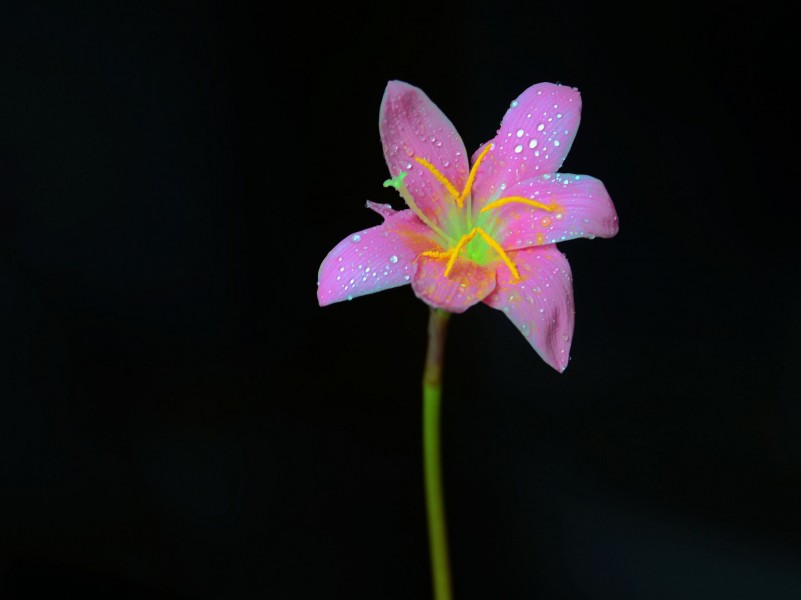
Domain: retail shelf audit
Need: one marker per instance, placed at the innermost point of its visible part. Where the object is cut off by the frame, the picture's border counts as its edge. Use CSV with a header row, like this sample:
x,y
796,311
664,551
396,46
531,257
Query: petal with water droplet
x,y
466,284
541,304
408,120
581,207
375,259
535,115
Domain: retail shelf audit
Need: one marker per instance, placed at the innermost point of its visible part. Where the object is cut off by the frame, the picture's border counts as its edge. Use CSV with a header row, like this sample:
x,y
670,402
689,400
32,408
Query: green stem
x,y
435,506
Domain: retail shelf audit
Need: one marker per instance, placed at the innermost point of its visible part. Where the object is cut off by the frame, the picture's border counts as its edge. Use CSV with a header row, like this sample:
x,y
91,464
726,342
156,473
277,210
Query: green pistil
x,y
398,183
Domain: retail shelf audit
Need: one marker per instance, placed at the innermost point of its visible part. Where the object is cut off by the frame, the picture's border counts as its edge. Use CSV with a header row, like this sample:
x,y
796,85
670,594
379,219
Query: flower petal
x,y
541,304
535,136
581,207
411,125
467,284
374,259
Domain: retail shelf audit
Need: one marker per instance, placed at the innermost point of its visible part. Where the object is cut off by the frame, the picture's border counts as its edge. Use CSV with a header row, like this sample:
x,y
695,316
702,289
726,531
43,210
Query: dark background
x,y
180,420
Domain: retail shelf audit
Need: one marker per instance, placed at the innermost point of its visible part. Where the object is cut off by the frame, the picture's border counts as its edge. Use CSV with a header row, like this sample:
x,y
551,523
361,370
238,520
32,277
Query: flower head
x,y
483,230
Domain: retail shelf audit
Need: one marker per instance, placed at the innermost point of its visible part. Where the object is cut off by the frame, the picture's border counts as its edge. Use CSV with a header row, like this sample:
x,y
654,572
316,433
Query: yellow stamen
x,y
436,254
441,178
465,239
521,200
497,247
454,253
472,177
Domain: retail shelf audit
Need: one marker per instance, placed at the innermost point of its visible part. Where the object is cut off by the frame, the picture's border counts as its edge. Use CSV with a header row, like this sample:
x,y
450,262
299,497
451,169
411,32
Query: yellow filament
x,y
519,199
497,247
441,178
454,253
472,177
436,254
465,239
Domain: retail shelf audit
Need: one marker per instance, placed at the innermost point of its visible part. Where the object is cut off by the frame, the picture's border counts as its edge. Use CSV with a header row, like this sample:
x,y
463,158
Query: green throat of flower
x,y
462,233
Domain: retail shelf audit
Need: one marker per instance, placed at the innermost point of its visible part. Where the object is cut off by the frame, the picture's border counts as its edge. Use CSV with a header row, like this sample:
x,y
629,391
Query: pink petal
x,y
411,126
583,209
535,136
374,259
467,284
541,304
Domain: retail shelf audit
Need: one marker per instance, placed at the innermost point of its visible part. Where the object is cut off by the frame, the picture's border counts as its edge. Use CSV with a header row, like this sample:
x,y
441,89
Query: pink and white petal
x,y
541,304
581,207
535,135
411,125
467,284
374,259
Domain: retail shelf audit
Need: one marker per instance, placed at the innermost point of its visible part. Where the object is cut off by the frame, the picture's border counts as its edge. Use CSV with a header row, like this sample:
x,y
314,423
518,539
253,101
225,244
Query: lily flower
x,y
483,230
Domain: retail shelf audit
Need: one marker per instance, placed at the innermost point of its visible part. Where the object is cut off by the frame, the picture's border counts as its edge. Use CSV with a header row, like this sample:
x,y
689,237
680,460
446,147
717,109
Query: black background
x,y
179,419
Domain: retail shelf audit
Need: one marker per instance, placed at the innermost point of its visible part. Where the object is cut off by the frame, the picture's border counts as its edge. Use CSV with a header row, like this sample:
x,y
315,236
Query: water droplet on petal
x,y
356,238
532,143
520,132
540,127
393,259
518,149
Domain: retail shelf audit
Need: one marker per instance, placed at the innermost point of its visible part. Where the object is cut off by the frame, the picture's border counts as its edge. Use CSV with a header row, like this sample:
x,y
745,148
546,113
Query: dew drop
x,y
558,115
556,142
520,132
393,259
518,149
513,104
356,238
540,127
532,143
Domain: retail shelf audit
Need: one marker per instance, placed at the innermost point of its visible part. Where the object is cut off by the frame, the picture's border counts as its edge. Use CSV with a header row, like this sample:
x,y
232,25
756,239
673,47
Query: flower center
x,y
461,235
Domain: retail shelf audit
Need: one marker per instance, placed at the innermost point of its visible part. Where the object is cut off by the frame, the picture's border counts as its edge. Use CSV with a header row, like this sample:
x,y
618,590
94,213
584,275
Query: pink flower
x,y
485,233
